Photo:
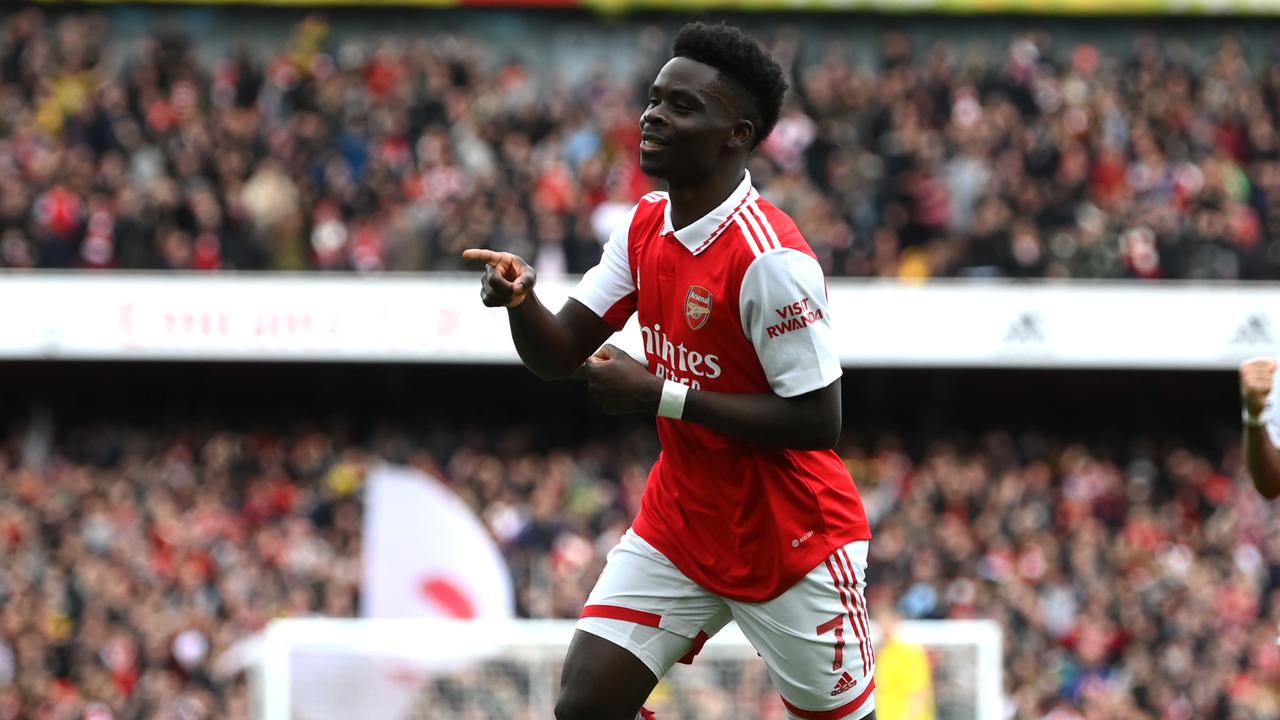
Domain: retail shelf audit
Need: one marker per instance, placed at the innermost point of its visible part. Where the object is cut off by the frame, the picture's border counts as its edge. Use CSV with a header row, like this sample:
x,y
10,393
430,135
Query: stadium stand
x,y
1008,157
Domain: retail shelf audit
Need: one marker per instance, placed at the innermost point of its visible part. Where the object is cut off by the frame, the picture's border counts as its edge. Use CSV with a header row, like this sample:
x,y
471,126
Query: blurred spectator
x,y
368,153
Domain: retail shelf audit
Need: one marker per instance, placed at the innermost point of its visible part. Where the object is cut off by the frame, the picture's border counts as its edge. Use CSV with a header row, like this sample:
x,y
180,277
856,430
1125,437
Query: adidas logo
x,y
845,684
1027,327
1255,330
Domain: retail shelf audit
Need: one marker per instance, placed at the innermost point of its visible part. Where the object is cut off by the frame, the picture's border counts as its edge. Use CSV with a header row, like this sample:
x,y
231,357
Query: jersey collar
x,y
699,235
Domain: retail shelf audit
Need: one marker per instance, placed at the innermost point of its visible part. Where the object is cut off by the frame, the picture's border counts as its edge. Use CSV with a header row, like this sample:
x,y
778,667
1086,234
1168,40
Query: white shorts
x,y
815,638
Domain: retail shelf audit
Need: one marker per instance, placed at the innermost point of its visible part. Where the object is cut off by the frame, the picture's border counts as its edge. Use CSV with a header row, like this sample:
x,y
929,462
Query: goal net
x,y
320,668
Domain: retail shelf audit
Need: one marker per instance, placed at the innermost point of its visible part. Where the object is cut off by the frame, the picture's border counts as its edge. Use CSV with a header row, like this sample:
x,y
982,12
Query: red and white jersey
x,y
734,303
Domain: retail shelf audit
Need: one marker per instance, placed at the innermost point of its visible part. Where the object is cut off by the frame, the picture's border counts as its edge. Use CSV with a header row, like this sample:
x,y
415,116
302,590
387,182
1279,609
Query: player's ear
x,y
742,134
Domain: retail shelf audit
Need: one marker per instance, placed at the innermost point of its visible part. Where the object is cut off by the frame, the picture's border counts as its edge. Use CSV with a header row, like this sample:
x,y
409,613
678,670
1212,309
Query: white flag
x,y
426,554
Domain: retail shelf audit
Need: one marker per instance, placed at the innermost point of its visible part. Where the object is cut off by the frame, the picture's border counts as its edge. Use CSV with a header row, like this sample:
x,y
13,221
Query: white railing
x,y
439,318
310,666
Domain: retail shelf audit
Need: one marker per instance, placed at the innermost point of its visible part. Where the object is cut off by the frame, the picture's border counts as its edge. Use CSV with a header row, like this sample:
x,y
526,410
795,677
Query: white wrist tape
x,y
1250,420
672,403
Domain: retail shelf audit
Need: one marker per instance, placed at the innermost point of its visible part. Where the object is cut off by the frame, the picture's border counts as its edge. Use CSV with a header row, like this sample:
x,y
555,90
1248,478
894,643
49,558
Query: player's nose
x,y
653,116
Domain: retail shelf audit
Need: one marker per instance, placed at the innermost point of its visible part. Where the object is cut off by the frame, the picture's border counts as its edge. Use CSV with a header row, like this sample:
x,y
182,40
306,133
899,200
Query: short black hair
x,y
739,59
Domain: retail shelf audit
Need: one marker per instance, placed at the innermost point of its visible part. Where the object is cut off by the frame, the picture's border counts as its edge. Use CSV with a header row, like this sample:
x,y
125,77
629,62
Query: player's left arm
x,y
784,313
808,421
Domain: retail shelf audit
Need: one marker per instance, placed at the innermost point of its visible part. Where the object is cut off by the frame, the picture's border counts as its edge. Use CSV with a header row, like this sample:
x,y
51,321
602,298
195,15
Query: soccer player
x,y
1258,393
748,514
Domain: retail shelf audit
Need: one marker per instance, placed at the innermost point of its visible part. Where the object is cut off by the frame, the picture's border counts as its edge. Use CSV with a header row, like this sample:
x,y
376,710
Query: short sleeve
x,y
784,311
1271,412
608,289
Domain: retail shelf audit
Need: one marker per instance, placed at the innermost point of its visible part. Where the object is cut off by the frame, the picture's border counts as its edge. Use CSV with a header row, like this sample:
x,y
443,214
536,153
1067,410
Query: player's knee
x,y
568,709
572,705
575,705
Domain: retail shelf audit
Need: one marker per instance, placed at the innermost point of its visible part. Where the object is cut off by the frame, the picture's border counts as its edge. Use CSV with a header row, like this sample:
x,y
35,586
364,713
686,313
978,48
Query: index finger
x,y
489,257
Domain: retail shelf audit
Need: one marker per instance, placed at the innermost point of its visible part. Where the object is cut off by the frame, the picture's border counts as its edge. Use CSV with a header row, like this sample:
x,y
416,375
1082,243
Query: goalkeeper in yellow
x,y
904,678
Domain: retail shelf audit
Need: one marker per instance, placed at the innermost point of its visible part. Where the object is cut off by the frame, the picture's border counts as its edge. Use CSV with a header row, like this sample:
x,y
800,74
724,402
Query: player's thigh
x,y
816,639
602,680
643,605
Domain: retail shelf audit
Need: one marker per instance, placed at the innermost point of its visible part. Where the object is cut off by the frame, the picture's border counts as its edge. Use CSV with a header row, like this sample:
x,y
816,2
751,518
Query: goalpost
x,y
320,668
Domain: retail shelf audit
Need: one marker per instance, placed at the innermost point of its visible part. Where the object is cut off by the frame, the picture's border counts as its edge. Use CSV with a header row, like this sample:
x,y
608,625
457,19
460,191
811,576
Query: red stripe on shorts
x,y
844,600
861,602
862,628
613,612
840,712
698,642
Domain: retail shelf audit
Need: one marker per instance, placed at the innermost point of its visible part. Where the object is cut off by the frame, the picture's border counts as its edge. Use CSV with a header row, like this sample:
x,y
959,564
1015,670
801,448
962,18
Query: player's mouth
x,y
650,143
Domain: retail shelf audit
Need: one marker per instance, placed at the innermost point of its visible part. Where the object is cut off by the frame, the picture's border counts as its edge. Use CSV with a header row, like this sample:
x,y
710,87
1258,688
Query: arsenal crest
x,y
697,306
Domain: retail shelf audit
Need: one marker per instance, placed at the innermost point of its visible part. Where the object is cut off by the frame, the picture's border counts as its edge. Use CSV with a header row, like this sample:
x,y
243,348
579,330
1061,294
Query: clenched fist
x,y
620,384
507,279
1256,377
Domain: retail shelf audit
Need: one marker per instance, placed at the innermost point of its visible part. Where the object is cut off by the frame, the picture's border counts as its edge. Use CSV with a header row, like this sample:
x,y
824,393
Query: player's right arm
x,y
555,345
1262,457
551,345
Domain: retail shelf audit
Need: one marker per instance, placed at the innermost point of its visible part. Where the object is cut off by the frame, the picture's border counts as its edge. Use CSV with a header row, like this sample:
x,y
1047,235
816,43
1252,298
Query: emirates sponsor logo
x,y
677,362
697,306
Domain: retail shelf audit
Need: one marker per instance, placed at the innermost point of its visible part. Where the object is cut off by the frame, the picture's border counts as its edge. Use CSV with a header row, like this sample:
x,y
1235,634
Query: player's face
x,y
688,122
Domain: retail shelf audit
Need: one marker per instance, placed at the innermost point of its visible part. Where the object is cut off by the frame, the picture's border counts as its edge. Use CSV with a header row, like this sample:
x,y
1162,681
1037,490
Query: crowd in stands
x,y
1024,158
1141,583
